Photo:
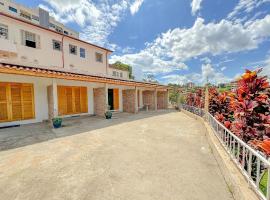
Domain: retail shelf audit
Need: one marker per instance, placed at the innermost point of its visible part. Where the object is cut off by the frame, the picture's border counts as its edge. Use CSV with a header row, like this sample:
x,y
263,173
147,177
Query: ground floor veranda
x,y
29,99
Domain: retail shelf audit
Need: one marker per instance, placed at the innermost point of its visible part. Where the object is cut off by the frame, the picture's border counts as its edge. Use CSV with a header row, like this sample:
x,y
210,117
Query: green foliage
x,y
174,94
121,66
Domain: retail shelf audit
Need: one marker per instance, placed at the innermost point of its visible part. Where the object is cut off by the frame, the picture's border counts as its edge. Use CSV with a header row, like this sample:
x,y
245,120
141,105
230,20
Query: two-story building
x,y
47,71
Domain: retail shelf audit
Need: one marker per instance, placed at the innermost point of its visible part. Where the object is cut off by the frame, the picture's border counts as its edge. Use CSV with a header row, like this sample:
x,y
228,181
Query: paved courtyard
x,y
163,156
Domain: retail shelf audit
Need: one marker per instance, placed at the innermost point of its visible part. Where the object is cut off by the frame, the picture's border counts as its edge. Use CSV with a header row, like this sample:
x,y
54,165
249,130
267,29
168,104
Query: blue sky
x,y
177,40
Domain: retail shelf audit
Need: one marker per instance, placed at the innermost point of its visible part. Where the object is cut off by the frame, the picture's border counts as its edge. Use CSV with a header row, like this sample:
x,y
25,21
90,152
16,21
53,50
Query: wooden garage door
x,y
16,102
72,100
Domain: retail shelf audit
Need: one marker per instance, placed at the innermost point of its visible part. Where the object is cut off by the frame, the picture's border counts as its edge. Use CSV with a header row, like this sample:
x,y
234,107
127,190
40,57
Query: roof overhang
x,y
50,73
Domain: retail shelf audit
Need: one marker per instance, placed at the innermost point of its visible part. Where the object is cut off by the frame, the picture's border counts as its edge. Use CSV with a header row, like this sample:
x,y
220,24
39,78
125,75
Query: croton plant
x,y
245,111
196,99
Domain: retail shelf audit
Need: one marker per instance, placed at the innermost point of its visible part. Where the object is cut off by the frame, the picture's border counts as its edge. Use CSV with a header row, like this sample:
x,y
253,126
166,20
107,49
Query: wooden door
x,y
4,110
16,102
84,100
116,99
72,100
27,94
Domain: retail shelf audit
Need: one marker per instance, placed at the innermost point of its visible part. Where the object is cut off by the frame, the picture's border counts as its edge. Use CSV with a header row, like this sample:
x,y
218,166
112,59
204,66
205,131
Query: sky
x,y
176,41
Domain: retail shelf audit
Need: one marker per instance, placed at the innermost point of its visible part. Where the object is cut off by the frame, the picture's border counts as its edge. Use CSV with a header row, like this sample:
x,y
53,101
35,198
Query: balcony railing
x,y
253,164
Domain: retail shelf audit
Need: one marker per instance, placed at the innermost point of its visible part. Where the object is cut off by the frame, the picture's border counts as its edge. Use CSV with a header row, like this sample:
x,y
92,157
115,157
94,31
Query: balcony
x,y
7,49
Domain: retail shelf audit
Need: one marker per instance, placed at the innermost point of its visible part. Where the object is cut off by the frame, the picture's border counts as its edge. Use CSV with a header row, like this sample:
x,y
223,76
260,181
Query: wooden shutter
x,y
28,111
72,100
84,100
116,99
16,101
4,116
77,99
62,100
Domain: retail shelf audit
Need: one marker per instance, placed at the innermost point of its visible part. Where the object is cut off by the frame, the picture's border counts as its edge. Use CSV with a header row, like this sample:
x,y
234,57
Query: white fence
x,y
253,164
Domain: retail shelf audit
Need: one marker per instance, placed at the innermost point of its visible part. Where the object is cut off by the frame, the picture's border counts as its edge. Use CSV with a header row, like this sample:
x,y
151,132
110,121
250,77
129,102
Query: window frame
x,y
101,57
75,47
12,9
82,53
34,17
60,43
28,38
25,15
2,27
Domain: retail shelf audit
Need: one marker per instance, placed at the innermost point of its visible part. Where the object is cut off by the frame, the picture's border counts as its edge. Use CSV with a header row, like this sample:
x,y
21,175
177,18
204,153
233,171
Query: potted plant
x,y
57,122
108,114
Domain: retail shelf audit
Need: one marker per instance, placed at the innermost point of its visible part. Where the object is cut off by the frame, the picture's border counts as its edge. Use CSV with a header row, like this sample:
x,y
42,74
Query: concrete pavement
x,y
149,157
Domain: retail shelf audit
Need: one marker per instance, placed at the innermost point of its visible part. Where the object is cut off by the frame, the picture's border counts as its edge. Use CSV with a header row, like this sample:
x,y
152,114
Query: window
x,y
25,15
72,49
3,31
65,32
82,52
121,74
30,39
57,45
1,3
12,9
58,29
99,57
35,18
114,73
52,25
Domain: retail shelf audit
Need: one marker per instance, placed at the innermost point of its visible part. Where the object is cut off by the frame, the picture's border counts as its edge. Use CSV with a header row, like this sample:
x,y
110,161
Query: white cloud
x,y
245,6
223,68
97,19
206,60
135,6
195,6
207,73
170,50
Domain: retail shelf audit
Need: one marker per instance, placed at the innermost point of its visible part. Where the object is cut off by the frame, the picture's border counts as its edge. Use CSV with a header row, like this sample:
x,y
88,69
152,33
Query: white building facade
x,y
47,71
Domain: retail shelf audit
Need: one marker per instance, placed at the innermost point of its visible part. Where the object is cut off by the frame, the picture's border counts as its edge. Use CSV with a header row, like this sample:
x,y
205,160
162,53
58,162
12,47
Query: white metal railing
x,y
253,164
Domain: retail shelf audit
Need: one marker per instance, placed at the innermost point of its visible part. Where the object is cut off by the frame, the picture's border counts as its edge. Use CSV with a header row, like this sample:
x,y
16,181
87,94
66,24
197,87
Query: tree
x,y
121,66
174,94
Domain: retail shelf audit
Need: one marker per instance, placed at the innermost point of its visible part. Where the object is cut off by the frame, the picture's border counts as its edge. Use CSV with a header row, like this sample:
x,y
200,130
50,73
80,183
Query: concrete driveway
x,y
149,157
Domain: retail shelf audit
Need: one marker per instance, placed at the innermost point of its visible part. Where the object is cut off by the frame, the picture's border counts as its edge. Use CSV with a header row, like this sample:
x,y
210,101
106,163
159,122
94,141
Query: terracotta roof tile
x,y
56,72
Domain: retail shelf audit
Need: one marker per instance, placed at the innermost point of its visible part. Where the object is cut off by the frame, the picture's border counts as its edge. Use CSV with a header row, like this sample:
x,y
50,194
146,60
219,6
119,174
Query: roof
x,y
41,27
66,74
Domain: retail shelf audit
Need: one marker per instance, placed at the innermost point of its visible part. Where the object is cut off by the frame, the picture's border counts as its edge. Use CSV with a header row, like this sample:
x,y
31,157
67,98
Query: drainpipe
x,y
63,56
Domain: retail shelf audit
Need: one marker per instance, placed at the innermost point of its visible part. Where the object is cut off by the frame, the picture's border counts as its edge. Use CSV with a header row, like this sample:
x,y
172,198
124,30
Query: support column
x,y
55,98
100,101
129,100
155,100
52,100
136,100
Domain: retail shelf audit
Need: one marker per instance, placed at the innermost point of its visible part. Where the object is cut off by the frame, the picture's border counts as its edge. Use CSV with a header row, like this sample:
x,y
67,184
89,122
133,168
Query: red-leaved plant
x,y
250,104
219,106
